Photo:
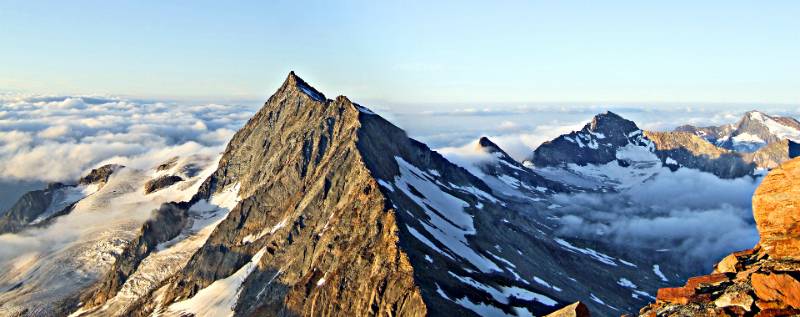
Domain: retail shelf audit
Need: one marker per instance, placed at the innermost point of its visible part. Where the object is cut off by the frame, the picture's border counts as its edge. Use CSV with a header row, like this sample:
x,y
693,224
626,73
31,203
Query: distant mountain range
x,y
319,206
754,131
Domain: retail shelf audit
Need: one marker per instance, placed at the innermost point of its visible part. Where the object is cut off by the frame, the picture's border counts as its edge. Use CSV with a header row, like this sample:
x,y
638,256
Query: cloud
x,y
59,138
521,144
469,156
696,215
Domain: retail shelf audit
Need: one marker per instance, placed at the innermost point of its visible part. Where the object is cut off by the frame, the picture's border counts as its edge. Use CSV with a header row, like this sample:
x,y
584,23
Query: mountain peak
x,y
755,115
294,82
596,143
609,120
608,114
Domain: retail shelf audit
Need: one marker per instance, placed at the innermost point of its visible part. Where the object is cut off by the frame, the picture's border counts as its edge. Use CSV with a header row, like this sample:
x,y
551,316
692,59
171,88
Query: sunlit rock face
x,y
776,208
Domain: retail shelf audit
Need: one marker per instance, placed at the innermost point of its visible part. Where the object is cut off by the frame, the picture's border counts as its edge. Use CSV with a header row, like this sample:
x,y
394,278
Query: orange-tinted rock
x,y
577,309
677,295
743,275
776,209
776,287
707,280
765,305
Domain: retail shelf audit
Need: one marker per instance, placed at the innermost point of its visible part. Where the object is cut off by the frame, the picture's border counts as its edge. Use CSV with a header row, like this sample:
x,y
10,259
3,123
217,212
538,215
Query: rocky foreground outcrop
x,y
763,281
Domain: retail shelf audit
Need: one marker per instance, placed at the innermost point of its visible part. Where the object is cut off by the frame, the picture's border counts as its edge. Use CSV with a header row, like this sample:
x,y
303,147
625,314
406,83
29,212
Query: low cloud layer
x,y
59,138
697,216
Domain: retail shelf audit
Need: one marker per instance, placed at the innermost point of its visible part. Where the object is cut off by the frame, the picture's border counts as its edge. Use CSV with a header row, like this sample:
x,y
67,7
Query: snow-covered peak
x,y
596,143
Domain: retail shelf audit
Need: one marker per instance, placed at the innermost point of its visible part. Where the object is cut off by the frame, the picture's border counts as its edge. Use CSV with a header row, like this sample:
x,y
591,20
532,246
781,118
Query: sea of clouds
x,y
60,138
694,217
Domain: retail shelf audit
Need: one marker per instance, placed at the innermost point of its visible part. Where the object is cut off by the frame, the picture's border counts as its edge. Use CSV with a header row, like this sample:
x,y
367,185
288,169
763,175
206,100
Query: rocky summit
x,y
596,143
763,281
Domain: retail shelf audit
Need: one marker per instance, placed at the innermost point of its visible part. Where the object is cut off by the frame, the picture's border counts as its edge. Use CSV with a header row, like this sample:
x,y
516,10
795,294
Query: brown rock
x,y
765,305
776,287
736,298
776,209
677,295
577,309
744,275
707,280
162,182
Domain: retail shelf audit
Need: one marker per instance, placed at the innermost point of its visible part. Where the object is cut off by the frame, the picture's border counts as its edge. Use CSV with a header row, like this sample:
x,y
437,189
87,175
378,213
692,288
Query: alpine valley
x,y
321,207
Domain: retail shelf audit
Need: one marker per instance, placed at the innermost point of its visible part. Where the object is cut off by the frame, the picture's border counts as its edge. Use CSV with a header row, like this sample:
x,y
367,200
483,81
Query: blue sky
x,y
407,52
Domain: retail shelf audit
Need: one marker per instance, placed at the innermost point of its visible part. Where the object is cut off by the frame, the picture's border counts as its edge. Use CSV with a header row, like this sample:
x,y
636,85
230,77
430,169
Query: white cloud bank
x,y
700,218
60,138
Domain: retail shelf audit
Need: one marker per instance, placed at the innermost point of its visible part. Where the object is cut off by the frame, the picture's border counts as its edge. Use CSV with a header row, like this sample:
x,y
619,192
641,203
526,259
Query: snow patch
x,y
657,271
219,298
447,221
590,252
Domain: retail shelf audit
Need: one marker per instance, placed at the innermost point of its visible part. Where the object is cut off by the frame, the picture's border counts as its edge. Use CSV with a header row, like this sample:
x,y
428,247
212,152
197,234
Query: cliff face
x,y
776,209
764,281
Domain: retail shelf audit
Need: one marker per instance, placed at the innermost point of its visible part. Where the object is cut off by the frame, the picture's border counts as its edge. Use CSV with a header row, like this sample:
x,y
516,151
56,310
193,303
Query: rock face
x,y
776,209
764,281
161,182
99,175
771,155
691,151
